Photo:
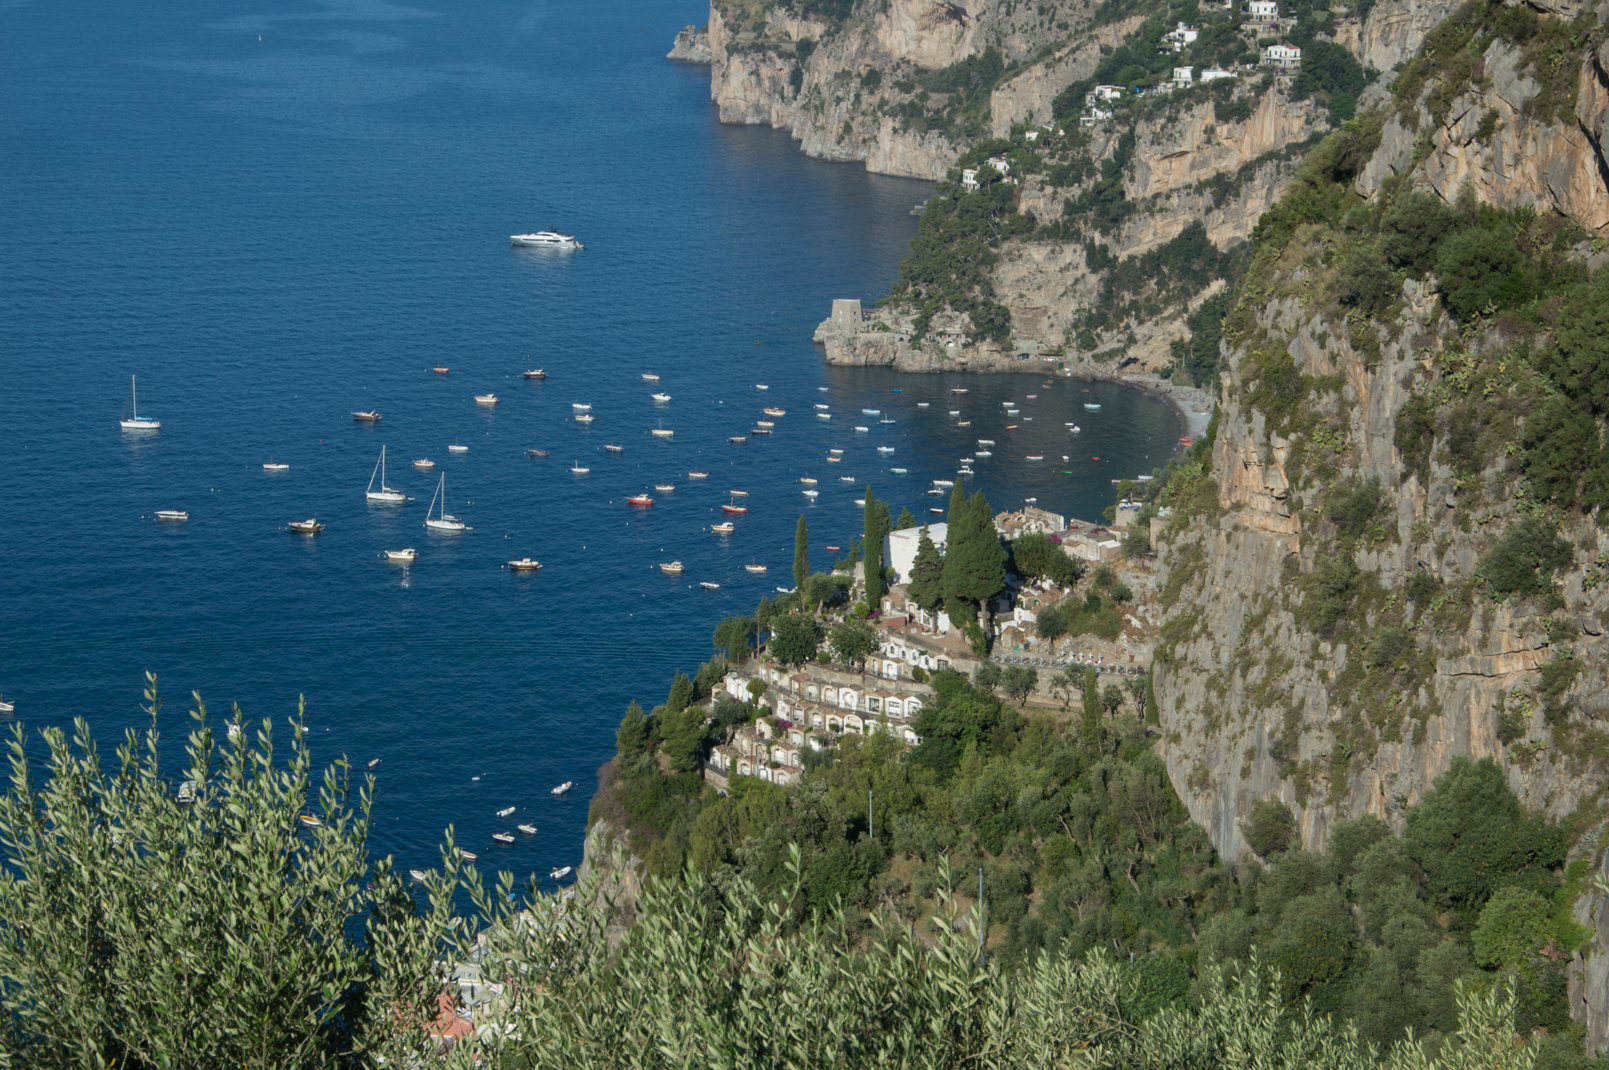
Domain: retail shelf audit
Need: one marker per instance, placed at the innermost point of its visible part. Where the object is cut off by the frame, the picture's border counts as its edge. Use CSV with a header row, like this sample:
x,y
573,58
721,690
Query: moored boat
x,y
737,440
670,568
664,488
417,874
810,492
639,499
424,464
545,239
505,811
529,830
698,475
525,564
661,431
899,471
136,422
661,398
583,417
563,788
649,377
503,837
723,529
708,586
386,495
775,412
310,821
561,873
536,453
173,515
306,527
486,399
402,557
7,707
1092,406
808,480
1036,456
443,521
468,856
275,466
535,373
372,416
613,448
753,567
761,386
456,448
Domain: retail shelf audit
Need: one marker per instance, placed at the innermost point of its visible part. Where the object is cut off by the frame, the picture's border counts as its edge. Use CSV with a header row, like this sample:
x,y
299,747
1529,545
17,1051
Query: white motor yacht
x,y
545,239
178,515
562,788
402,557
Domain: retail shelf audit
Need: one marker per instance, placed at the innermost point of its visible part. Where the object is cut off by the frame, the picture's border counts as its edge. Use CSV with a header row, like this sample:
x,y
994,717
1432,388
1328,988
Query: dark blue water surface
x,y
277,214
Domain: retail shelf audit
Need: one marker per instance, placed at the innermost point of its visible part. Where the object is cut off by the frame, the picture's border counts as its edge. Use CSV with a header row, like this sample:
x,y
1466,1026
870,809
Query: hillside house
x,y
1283,57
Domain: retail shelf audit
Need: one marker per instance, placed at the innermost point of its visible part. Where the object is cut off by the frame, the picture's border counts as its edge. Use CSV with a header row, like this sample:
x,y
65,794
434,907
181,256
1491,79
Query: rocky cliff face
x,y
692,46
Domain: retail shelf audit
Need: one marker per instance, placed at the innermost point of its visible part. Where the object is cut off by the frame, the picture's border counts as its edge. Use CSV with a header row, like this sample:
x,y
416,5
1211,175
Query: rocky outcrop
x,y
692,46
1026,96
1393,31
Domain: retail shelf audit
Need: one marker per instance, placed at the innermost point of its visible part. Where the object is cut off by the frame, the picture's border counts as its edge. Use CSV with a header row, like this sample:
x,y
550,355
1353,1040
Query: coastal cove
x,y
313,209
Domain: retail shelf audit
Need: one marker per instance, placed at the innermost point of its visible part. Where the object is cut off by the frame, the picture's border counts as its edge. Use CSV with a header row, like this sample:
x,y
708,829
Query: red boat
x,y
441,371
734,509
834,549
639,499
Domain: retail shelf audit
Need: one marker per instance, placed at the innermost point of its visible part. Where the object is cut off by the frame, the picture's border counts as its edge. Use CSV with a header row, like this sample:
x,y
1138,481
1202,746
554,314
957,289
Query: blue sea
x,y
276,214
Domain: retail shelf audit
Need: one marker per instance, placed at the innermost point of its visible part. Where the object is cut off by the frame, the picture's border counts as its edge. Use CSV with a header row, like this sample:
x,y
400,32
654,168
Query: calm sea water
x,y
277,214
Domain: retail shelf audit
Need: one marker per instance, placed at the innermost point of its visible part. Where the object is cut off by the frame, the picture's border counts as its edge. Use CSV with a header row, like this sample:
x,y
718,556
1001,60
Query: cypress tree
x,y
1152,714
1092,711
801,556
927,574
975,563
873,548
906,519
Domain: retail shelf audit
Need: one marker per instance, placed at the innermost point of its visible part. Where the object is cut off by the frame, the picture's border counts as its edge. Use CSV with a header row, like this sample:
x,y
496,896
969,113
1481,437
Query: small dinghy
x,y
529,830
417,874
613,448
373,762
456,448
563,788
698,475
562,872
503,837
275,466
536,453
505,811
469,856
525,564
708,586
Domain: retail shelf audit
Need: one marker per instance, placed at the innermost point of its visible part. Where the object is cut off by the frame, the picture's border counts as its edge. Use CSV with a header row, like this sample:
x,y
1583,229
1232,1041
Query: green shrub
x,y
1525,558
1270,828
1412,229
1511,927
1353,507
1481,269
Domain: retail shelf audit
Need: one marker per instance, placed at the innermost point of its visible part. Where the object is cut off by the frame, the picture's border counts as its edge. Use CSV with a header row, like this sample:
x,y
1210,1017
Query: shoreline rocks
x,y
692,46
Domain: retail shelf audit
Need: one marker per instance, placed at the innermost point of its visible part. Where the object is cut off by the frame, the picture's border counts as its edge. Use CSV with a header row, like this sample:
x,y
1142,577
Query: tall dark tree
x,y
906,520
681,693
631,739
1092,710
957,520
732,637
926,587
795,639
801,554
874,552
975,562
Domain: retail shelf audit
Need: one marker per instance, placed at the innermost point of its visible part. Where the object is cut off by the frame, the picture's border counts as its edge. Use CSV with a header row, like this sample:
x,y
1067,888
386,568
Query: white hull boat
x,y
135,422
172,515
442,521
545,239
385,494
562,788
401,557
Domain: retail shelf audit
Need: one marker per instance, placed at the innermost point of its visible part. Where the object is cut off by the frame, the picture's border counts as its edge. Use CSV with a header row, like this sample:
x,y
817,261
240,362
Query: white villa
x,y
1263,10
1285,57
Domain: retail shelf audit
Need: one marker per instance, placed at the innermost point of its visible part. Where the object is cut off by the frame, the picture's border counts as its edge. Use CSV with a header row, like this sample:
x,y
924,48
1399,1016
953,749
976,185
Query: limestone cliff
x,y
692,46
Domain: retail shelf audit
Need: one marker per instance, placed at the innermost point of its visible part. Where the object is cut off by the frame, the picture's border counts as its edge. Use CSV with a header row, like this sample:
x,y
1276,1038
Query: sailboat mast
x,y
377,470
135,394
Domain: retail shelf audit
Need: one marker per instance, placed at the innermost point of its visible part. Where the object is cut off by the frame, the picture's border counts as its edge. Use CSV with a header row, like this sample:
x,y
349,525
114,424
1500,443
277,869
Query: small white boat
x,y
649,377
275,466
944,483
661,431
753,567
173,515
486,399
899,471
965,472
1092,406
402,557
698,475
561,873
983,453
417,874
810,492
535,373
835,449
1036,457
468,856
583,417
823,415
1012,412
986,442
529,830
373,762
1030,501
385,494
310,821
723,529
861,502
370,417
424,464
964,460
833,460
580,406
503,837
614,447
964,423
885,420
524,564
563,788
955,412
443,521
7,707
885,449
787,590
665,487
456,448
306,527
765,423
808,481
545,239
872,412
822,389
186,793
1075,429
846,479
862,430
661,397
1144,479
761,386
708,586
921,404
579,469
1008,404
505,811
135,422
671,568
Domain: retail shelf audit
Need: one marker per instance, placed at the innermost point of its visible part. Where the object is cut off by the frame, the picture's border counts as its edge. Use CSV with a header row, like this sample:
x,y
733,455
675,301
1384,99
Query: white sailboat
x,y
443,521
384,494
134,422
